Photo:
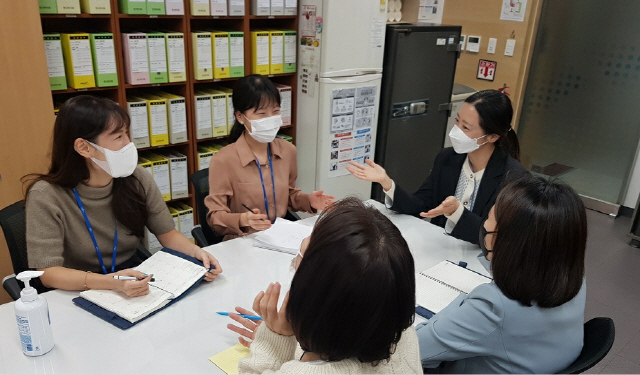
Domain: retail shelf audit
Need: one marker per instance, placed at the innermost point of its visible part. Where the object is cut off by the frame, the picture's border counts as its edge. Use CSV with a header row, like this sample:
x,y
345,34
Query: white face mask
x,y
461,142
119,163
265,130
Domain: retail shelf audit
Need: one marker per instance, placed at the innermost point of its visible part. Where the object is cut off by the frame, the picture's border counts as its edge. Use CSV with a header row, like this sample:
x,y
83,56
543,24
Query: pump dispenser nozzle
x,y
28,293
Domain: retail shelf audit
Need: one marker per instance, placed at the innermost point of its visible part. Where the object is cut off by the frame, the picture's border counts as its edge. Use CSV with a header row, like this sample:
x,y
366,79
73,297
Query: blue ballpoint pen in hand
x,y
252,317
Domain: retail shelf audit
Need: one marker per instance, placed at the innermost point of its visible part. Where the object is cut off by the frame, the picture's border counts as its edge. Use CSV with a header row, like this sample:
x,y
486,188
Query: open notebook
x,y
284,235
173,274
439,285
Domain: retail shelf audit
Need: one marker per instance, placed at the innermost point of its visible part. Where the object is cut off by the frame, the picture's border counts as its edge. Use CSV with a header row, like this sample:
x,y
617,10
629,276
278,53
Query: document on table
x,y
439,285
227,360
284,235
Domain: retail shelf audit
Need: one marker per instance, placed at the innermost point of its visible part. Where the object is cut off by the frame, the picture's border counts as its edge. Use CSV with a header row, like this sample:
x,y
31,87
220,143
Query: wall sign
x,y
486,70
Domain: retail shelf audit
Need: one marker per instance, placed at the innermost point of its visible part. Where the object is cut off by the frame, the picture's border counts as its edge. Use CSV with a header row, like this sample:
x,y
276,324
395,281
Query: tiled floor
x,y
613,290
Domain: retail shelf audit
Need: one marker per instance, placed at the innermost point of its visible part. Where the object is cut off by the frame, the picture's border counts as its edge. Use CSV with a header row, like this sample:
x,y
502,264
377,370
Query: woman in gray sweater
x,y
87,215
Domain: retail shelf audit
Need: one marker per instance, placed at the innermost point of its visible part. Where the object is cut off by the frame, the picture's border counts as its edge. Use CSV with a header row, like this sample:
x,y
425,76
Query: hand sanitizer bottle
x,y
32,316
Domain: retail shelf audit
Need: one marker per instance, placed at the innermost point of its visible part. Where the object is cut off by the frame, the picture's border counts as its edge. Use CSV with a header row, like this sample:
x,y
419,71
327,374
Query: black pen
x,y
247,207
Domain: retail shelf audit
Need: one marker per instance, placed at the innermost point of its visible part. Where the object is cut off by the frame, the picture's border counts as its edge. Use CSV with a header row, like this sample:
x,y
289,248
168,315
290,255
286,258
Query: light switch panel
x,y
510,47
491,47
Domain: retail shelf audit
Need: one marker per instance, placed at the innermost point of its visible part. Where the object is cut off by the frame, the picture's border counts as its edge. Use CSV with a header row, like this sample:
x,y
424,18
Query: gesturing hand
x,y
250,326
371,172
320,201
447,207
266,305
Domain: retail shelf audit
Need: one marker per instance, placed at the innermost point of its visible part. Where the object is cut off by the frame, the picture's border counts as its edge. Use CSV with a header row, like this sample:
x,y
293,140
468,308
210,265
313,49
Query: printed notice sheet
x,y
352,119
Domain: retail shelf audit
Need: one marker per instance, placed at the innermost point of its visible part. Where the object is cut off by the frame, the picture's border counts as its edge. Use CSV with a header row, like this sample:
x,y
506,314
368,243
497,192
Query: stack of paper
x,y
284,235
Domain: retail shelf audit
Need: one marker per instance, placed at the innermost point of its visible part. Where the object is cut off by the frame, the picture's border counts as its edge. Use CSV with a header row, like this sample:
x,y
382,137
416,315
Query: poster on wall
x,y
352,120
513,10
430,11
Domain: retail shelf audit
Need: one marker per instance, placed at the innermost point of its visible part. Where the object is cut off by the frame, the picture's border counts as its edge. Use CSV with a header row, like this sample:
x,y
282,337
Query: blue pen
x,y
252,317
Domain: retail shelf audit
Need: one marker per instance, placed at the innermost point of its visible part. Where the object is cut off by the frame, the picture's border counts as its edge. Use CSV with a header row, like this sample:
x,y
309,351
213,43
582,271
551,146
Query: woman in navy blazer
x,y
530,318
466,179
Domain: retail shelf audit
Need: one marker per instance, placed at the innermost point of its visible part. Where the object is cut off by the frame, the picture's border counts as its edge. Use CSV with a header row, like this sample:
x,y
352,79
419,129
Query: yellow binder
x,y
276,52
220,49
161,173
76,49
175,215
158,124
202,55
204,157
186,219
146,164
219,108
260,52
231,117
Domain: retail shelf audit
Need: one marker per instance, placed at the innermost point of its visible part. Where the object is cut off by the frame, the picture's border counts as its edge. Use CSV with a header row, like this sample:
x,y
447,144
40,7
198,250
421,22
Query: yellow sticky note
x,y
227,360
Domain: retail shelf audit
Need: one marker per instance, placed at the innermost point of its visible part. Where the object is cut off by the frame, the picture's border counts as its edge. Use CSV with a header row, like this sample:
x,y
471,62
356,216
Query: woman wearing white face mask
x,y
466,179
86,216
256,169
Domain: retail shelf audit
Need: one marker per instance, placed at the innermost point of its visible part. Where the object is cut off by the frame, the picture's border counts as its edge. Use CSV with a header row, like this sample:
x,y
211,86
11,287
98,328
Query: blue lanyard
x,y
93,237
273,185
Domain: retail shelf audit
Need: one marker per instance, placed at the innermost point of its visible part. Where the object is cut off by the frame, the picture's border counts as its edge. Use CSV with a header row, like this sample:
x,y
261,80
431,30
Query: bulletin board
x,y
483,18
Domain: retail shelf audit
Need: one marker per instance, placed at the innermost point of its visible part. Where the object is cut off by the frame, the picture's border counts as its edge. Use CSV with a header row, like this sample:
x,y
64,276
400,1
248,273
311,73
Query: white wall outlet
x,y
491,47
509,47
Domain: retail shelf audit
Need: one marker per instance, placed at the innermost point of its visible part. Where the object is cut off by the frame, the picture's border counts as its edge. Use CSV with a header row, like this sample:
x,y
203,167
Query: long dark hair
x,y
539,248
356,261
86,117
252,91
495,111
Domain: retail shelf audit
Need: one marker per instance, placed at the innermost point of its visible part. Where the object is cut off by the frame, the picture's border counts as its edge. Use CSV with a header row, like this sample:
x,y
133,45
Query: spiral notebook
x,y
439,285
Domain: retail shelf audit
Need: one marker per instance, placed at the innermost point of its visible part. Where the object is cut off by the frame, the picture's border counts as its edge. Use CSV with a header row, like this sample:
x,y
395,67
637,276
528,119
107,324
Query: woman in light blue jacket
x,y
530,318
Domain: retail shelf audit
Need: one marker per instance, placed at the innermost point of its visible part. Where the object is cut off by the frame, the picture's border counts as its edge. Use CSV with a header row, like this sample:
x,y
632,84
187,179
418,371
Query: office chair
x,y
599,334
203,233
14,226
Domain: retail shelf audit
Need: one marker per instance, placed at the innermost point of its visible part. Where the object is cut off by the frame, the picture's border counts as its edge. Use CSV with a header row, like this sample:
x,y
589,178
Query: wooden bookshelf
x,y
118,23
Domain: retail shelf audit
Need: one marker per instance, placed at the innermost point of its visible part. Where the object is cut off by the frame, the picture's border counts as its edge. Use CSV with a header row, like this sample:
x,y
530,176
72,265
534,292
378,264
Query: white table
x,y
182,337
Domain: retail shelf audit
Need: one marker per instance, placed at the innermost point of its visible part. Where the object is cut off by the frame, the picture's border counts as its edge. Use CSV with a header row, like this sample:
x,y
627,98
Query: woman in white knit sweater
x,y
351,303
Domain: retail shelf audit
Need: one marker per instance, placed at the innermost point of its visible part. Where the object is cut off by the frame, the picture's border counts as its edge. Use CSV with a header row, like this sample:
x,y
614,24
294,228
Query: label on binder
x,y
139,120
138,54
105,55
81,56
175,48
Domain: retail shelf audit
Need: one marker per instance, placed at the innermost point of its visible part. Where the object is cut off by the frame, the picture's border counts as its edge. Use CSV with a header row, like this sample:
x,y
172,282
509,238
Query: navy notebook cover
x,y
119,321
